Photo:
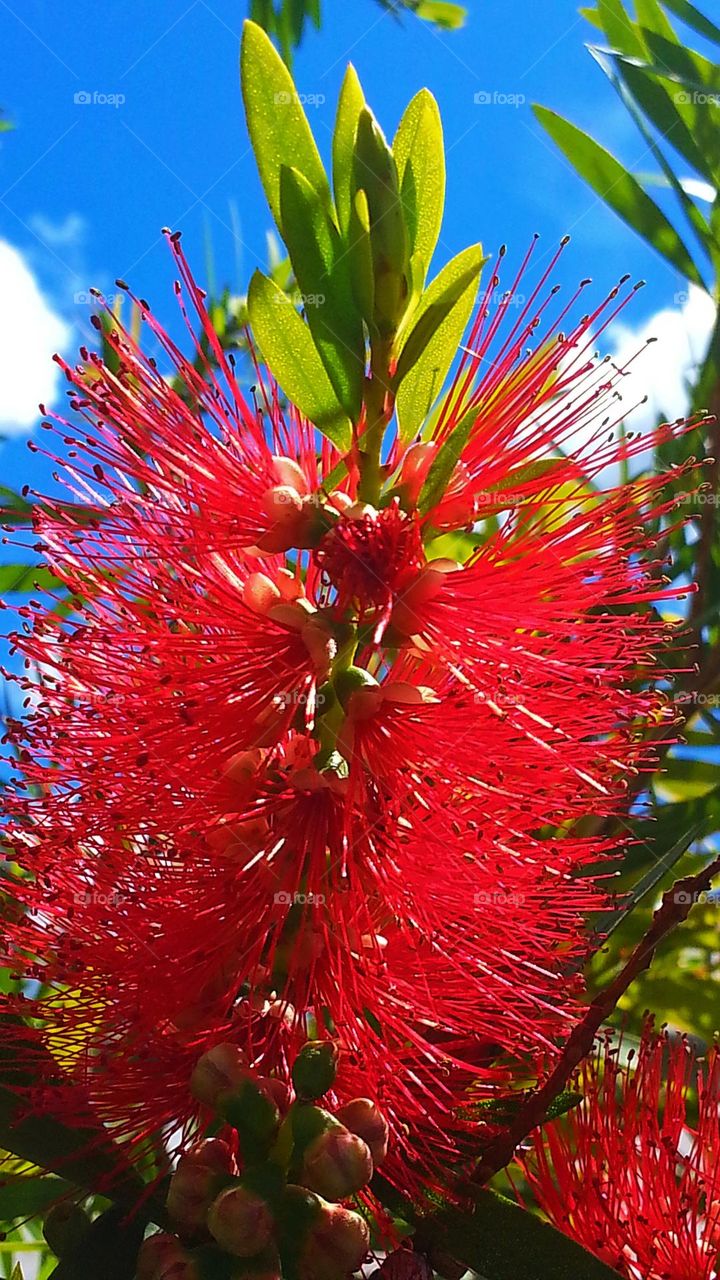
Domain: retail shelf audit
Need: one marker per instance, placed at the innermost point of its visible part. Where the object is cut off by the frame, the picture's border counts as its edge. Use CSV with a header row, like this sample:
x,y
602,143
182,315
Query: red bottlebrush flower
x,y
265,786
633,1173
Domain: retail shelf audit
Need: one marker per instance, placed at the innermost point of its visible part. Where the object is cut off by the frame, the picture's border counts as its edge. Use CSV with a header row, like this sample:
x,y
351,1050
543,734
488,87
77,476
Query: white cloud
x,y
664,370
30,333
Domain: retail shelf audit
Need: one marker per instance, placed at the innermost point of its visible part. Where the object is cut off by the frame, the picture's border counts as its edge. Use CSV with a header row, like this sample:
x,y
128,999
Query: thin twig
x,y
673,910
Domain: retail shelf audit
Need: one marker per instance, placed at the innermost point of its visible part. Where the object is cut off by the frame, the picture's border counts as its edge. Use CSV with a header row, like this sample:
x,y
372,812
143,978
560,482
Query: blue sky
x,y
85,187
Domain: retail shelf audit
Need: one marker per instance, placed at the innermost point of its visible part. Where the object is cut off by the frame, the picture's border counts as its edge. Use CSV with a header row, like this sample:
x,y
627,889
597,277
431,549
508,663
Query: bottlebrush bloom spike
x,y
269,781
633,1173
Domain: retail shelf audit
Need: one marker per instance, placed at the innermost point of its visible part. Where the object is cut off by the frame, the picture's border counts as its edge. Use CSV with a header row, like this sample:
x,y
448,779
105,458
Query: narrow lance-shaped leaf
x,y
620,190
278,127
419,152
322,271
351,102
288,349
420,380
688,13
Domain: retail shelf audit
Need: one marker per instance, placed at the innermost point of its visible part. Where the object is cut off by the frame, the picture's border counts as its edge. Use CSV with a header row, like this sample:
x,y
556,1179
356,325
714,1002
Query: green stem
x,y
379,406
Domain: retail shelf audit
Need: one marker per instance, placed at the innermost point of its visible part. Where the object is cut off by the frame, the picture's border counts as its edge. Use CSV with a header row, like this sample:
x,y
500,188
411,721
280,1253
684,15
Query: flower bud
x,y
214,1153
288,472
358,692
240,1221
414,470
363,1117
314,1069
162,1257
337,1164
64,1227
222,1068
280,1092
335,1246
260,593
193,1187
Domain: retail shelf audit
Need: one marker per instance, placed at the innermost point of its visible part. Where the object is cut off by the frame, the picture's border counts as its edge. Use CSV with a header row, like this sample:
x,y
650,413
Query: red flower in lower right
x,y
633,1173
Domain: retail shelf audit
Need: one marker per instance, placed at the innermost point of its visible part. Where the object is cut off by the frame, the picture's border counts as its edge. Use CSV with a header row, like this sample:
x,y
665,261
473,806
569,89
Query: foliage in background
x,y
288,20
672,93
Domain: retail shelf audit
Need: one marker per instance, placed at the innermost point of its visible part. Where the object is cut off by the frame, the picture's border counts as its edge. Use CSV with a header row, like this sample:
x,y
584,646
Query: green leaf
x,y
21,578
696,219
694,18
687,779
619,27
322,271
651,17
620,190
12,501
498,1239
350,105
439,324
85,1156
444,14
360,257
278,127
445,462
28,1195
419,152
288,349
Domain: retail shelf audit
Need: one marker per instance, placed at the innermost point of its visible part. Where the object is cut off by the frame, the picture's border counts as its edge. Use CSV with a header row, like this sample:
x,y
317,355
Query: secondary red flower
x,y
295,758
633,1173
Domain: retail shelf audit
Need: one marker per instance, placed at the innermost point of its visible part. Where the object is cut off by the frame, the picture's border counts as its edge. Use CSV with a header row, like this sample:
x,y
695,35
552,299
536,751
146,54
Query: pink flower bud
x,y
336,1244
337,1164
363,1117
162,1257
288,472
282,504
241,1222
193,1187
280,1092
214,1153
415,467
220,1070
260,593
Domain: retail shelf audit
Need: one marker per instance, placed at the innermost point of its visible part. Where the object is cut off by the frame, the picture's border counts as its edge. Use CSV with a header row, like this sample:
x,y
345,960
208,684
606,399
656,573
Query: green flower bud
x,y
241,1222
337,1164
375,173
223,1081
364,1117
314,1069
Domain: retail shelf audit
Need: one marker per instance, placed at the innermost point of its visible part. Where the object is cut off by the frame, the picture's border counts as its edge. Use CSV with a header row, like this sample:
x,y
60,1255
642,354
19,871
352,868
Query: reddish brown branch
x,y
674,909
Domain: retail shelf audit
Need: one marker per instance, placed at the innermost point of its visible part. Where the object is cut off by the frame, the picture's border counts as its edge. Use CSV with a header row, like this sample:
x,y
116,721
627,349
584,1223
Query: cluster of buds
x,y
267,1197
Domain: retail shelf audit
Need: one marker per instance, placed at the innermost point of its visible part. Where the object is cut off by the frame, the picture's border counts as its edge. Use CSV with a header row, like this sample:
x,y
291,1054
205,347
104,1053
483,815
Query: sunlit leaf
x,y
620,190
